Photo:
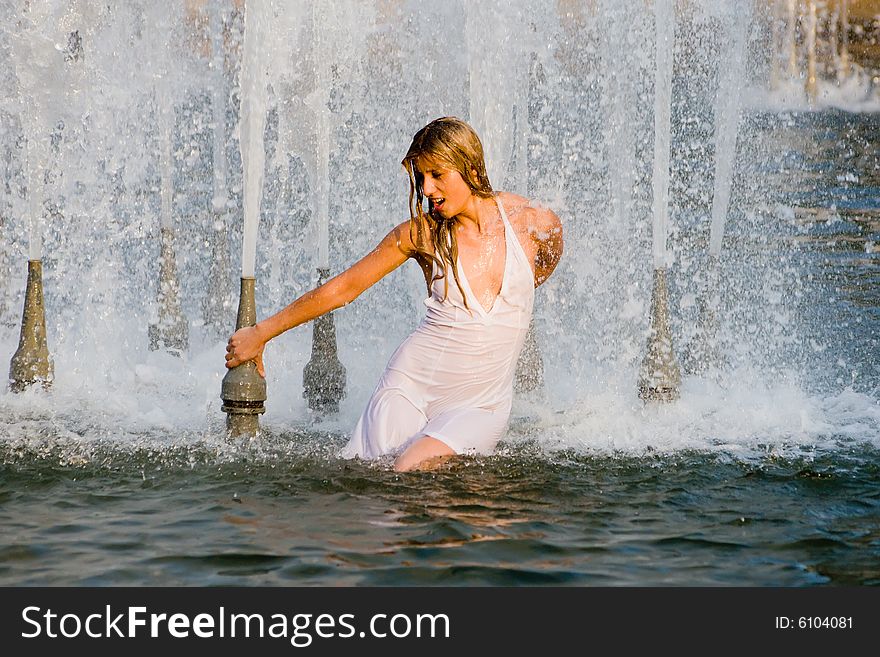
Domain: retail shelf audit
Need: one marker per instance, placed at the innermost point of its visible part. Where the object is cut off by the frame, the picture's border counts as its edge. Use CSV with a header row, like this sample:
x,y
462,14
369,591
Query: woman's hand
x,y
244,345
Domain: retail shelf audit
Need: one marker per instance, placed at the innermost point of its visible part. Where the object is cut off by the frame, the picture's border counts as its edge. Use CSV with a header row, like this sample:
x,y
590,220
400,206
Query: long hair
x,y
451,143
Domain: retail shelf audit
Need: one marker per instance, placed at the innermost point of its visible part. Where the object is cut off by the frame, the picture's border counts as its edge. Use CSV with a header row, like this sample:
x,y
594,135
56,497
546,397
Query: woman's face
x,y
446,191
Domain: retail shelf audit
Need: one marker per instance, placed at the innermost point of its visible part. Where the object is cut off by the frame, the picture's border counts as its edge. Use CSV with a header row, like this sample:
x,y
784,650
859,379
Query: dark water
x,y
191,517
752,505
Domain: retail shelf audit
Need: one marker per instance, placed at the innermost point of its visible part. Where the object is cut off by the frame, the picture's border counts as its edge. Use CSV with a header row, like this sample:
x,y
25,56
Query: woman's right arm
x,y
248,343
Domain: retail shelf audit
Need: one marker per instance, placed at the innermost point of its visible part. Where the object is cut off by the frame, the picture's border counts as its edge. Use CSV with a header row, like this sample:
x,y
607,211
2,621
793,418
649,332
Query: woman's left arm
x,y
546,233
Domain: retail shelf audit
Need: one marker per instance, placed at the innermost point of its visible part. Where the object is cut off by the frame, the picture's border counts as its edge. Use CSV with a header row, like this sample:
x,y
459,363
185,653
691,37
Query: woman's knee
x,y
425,453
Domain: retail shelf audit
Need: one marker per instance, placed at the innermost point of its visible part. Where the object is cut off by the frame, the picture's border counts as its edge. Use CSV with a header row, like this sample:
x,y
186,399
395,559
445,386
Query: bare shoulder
x,y
405,236
539,231
528,216
514,204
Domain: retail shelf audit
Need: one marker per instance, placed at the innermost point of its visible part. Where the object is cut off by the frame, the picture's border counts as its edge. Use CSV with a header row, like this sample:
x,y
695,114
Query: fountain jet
x,y
171,331
529,374
703,353
811,84
660,376
791,25
49,76
499,101
324,374
843,63
219,297
243,390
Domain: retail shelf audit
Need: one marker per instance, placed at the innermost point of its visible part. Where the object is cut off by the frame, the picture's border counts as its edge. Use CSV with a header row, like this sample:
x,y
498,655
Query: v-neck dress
x,y
452,378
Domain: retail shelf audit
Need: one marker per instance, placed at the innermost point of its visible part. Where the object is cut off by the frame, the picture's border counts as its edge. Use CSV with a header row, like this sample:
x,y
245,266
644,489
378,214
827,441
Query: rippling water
x,y
756,477
295,514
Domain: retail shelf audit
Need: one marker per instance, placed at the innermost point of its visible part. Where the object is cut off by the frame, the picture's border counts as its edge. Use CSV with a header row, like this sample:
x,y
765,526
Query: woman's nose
x,y
428,186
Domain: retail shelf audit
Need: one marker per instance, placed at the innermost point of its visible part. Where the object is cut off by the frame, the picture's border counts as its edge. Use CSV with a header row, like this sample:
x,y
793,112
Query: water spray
x,y
499,101
660,376
703,353
219,297
791,38
811,84
171,331
529,373
843,63
777,42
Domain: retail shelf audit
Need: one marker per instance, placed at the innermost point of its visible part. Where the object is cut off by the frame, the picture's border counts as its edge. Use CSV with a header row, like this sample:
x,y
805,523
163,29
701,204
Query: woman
x,y
448,388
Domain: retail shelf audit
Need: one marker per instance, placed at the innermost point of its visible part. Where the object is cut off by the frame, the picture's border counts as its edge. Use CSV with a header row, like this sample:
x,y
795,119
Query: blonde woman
x,y
448,388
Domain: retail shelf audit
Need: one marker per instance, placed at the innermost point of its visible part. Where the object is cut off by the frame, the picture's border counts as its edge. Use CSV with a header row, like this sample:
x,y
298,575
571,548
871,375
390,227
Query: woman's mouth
x,y
437,203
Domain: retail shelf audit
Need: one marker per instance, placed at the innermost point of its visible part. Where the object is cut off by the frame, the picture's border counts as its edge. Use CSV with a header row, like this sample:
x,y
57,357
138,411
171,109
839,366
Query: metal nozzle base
x,y
324,375
660,376
31,362
243,390
242,425
664,395
243,417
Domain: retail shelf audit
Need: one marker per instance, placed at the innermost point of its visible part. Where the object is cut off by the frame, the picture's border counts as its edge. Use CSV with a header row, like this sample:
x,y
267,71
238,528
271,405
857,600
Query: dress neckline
x,y
466,283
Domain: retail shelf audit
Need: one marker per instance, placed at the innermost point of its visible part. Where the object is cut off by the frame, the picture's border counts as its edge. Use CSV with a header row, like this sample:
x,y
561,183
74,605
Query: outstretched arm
x,y
546,231
248,343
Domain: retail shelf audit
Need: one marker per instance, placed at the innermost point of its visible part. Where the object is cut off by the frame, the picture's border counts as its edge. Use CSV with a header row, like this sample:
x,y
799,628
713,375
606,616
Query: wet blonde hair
x,y
452,144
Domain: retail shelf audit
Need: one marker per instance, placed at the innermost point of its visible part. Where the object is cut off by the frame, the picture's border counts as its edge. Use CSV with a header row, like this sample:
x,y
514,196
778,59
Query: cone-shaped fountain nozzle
x,y
324,374
660,376
31,362
243,390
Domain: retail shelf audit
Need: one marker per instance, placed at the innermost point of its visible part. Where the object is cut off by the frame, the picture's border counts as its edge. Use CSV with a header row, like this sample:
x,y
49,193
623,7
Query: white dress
x,y
452,378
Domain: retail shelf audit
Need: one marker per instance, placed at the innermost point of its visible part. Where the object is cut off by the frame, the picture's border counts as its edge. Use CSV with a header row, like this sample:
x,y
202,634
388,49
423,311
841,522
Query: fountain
x,y
45,55
844,65
244,390
660,377
31,363
813,37
810,84
565,111
499,101
791,37
171,330
323,375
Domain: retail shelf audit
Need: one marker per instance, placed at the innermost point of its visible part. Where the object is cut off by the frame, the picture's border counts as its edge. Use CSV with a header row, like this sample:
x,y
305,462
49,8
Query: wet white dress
x,y
452,378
